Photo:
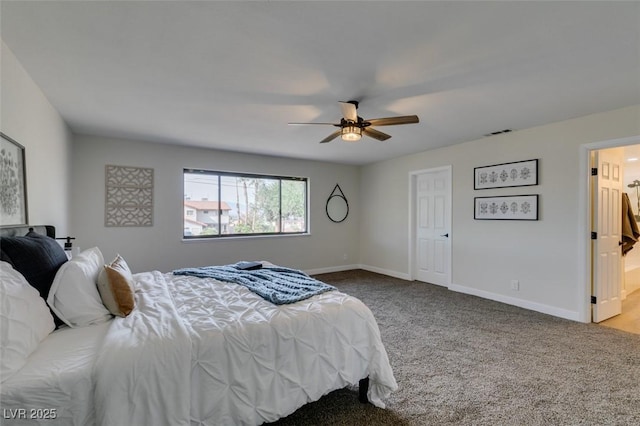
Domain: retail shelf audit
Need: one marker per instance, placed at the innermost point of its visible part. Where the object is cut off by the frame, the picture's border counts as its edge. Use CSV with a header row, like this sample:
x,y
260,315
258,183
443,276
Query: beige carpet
x,y
462,360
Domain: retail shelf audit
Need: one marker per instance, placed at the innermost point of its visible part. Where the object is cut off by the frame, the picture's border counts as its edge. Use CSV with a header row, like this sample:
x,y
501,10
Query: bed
x,y
192,351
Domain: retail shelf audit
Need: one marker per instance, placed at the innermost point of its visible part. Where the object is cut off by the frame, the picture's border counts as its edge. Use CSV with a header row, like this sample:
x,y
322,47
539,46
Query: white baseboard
x,y
342,268
631,280
532,306
395,274
538,307
331,269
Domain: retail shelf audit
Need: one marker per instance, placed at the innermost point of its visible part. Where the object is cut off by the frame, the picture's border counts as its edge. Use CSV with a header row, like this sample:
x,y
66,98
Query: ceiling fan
x,y
352,127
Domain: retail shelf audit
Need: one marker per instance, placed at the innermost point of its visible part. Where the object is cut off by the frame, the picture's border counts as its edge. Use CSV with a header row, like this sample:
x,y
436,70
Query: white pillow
x,y
74,296
25,320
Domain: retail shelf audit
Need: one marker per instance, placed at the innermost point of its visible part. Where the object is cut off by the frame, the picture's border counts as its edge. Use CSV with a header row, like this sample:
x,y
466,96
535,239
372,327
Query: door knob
x,y
445,235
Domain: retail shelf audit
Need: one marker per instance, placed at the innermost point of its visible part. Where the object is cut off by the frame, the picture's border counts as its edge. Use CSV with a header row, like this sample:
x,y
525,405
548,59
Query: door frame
x,y
412,218
584,219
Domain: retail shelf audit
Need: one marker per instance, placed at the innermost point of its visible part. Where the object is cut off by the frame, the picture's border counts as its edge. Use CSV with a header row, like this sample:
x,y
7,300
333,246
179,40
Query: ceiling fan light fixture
x,y
351,126
351,133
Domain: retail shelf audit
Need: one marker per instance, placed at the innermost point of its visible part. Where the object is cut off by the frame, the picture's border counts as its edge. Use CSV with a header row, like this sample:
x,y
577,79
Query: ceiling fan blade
x,y
392,121
304,124
349,111
373,133
332,136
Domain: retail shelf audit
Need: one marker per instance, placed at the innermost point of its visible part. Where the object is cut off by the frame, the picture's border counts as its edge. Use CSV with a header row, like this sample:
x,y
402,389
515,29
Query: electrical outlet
x,y
515,285
345,256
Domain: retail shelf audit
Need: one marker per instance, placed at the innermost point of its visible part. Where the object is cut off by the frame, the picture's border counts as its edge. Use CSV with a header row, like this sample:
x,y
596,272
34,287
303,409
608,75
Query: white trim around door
x,y
413,220
584,220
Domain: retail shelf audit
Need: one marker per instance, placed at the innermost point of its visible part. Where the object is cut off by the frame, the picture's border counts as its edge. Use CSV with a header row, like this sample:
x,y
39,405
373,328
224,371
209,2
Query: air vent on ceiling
x,y
499,132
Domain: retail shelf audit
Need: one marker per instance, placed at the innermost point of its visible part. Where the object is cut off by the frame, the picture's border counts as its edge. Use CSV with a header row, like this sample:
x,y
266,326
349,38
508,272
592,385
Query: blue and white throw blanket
x,y
276,284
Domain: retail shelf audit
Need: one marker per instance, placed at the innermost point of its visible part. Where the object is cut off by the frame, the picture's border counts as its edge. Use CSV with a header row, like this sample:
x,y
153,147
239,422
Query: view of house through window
x,y
218,204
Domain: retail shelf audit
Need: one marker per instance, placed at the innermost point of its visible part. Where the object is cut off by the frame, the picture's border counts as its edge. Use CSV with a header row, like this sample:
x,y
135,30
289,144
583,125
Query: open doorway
x,y
629,318
616,278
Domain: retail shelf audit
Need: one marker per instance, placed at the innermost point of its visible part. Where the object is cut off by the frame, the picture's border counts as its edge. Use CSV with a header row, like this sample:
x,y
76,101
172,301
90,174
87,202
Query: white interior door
x,y
606,249
432,233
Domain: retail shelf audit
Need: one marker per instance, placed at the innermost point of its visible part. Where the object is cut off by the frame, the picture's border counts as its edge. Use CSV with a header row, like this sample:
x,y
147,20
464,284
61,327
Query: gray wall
x,y
161,247
66,189
544,255
27,117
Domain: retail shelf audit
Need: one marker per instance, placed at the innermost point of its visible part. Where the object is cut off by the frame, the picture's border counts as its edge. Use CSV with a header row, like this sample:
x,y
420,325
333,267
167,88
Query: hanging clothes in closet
x,y
630,231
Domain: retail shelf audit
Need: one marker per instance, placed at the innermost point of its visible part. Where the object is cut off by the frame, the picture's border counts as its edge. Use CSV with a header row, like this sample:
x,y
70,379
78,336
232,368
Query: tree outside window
x,y
248,204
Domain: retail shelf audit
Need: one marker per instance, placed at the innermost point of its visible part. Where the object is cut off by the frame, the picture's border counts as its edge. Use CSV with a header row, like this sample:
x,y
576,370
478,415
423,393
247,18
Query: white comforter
x,y
142,375
203,352
200,352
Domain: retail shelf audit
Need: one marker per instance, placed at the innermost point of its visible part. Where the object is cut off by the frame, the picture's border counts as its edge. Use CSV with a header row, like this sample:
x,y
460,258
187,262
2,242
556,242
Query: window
x,y
223,204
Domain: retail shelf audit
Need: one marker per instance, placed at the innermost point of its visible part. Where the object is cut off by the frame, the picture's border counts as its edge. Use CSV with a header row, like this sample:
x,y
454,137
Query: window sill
x,y
242,237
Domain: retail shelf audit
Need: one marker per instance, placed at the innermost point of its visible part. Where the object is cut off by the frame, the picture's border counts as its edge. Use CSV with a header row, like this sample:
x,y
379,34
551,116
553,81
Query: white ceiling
x,y
231,75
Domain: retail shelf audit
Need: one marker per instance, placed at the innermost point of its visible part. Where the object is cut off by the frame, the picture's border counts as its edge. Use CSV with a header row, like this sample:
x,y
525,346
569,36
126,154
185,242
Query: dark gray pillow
x,y
36,256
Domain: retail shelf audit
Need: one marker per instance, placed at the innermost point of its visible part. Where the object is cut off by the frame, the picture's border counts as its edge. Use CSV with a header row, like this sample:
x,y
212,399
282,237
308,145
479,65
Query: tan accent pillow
x,y
115,284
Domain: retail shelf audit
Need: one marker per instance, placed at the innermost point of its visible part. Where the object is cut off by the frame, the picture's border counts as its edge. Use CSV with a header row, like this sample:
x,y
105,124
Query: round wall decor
x,y
337,205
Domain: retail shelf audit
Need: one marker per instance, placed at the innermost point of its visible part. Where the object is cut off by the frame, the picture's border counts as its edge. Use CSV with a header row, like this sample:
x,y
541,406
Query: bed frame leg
x,y
364,388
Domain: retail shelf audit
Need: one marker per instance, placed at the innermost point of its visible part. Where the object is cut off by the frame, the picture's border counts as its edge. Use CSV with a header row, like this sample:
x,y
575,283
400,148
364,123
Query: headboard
x,y
36,257
22,230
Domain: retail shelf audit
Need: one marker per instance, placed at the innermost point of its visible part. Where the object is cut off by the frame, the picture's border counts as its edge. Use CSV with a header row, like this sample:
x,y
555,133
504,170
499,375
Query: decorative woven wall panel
x,y
128,196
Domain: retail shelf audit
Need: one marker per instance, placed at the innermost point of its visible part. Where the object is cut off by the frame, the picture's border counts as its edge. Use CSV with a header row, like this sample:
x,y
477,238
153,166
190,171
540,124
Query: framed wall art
x,y
506,207
520,173
13,185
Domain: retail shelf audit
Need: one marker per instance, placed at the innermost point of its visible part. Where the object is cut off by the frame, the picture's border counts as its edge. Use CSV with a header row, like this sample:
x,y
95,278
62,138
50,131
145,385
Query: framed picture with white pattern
x,y
506,207
519,173
13,186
